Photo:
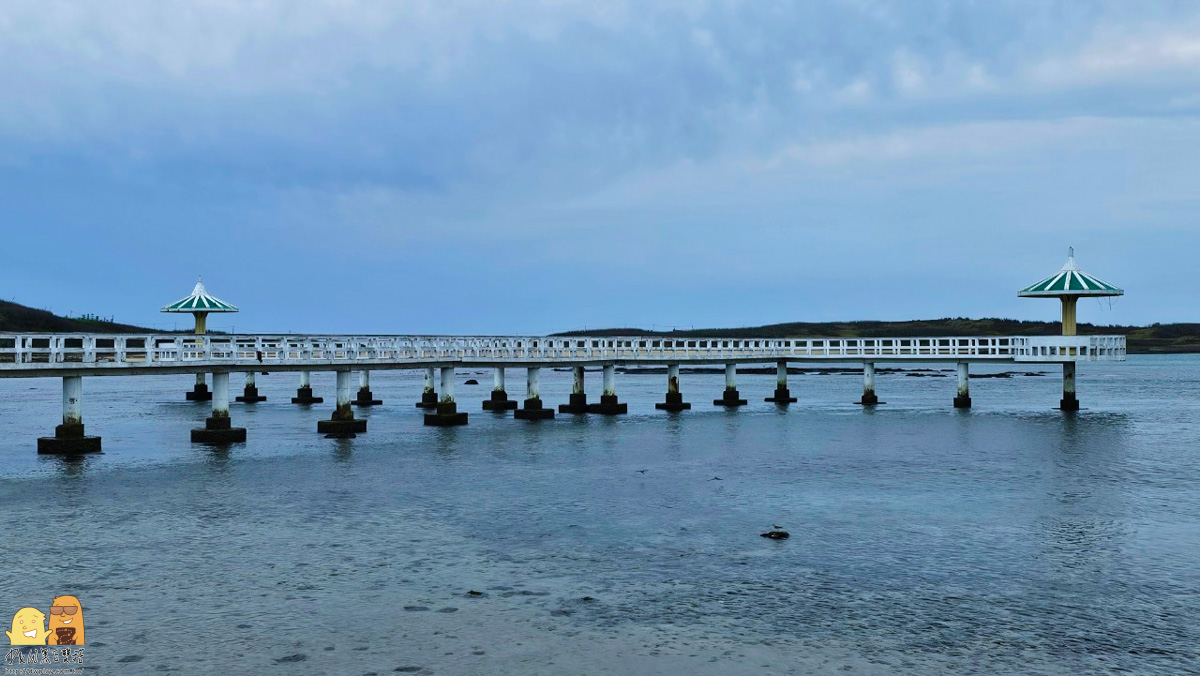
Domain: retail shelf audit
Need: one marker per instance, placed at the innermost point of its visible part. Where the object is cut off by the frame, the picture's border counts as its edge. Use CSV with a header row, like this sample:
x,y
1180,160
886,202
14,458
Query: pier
x,y
74,356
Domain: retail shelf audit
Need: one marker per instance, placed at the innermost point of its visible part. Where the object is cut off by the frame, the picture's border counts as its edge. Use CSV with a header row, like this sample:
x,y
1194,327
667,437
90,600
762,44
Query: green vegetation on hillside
x,y
1157,338
18,318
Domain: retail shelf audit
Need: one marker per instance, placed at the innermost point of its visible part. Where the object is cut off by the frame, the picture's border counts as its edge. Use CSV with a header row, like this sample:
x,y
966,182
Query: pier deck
x,y
25,355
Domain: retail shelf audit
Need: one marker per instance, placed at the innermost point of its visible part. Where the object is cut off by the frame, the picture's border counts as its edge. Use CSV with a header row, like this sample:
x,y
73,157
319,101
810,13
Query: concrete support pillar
x,y
343,423
220,400
499,400
730,398
447,414
1069,402
218,428
578,394
868,397
609,405
782,394
250,394
304,393
200,391
365,398
69,438
674,401
1068,315
963,398
429,397
532,409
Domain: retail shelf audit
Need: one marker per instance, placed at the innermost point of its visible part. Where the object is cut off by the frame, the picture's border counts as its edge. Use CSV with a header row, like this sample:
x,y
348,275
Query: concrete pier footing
x,y
68,441
343,423
304,393
365,398
69,437
578,402
674,400
218,429
429,396
962,398
250,393
609,404
200,391
731,398
782,394
868,396
532,408
446,414
499,400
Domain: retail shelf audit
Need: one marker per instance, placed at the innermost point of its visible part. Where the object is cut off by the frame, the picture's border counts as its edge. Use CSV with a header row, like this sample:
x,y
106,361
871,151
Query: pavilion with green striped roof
x,y
199,303
1069,284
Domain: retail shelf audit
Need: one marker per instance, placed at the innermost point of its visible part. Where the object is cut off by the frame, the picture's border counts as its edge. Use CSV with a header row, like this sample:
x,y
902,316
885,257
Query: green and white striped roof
x,y
1070,281
200,301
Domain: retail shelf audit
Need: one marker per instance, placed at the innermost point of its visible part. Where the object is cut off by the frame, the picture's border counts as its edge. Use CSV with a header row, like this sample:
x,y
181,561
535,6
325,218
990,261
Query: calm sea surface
x,y
1010,538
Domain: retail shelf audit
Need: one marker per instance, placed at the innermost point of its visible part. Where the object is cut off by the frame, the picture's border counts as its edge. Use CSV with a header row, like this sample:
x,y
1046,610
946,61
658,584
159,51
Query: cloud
x,y
609,133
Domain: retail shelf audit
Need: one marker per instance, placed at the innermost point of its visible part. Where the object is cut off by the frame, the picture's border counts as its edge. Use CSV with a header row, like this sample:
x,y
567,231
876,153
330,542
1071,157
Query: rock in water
x,y
471,382
776,535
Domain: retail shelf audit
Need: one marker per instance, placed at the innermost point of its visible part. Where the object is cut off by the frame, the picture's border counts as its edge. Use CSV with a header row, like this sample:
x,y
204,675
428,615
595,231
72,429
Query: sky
x,y
502,167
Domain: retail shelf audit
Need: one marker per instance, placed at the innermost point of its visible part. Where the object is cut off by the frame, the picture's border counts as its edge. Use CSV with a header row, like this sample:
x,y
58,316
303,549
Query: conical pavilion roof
x,y
1070,281
200,300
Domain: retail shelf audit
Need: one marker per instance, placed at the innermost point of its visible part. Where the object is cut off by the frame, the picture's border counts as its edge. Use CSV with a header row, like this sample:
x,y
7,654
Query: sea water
x,y
1008,538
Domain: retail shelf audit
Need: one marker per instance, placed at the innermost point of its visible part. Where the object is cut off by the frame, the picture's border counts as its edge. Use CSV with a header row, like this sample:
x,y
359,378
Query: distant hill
x,y
15,317
1156,338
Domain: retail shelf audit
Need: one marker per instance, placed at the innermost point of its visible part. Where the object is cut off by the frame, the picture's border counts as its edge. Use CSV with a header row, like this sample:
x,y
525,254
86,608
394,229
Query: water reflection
x,y
343,450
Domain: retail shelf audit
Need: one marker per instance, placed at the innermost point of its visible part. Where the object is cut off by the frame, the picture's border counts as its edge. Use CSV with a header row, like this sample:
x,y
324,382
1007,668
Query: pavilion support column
x,y
1068,315
532,408
963,398
429,396
783,395
365,398
1069,402
499,400
200,390
447,413
868,397
217,428
674,401
578,394
609,404
343,423
731,398
69,438
250,393
304,393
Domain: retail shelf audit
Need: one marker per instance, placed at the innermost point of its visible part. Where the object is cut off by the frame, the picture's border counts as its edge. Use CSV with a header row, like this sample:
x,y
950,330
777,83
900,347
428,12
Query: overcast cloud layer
x,y
463,167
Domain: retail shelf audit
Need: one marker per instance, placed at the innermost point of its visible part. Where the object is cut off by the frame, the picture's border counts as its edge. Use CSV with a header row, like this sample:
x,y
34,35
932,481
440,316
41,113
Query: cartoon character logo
x,y
28,628
66,621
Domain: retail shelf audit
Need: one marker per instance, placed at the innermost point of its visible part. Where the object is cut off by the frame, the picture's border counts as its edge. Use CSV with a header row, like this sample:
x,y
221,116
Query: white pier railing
x,y
28,354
